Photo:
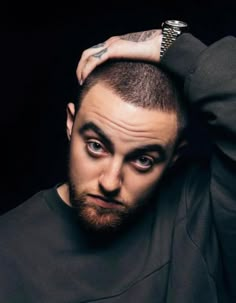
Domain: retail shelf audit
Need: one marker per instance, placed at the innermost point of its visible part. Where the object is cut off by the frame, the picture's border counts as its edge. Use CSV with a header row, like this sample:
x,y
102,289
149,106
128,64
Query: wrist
x,y
171,30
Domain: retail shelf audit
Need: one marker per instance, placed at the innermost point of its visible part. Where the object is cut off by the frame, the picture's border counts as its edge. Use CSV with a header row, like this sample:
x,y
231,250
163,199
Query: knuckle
x,y
90,59
84,54
112,39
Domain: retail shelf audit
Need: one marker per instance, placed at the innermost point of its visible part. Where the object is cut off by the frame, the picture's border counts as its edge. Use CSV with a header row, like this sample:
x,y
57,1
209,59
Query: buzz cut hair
x,y
143,84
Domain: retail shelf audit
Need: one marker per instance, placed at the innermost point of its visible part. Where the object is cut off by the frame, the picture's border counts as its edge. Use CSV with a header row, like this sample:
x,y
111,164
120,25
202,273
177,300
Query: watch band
x,y
171,30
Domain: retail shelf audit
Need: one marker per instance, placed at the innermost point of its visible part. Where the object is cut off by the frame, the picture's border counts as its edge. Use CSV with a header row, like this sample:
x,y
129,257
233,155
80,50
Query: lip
x,y
104,202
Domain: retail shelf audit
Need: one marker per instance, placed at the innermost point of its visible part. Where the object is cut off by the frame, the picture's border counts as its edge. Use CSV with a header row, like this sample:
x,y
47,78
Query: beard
x,y
103,221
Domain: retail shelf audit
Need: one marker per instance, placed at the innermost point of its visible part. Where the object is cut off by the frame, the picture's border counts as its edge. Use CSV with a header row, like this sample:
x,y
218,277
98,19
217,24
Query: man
x,y
129,226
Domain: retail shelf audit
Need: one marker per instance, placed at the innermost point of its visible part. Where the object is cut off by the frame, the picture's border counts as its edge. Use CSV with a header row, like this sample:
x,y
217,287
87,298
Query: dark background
x,y
39,51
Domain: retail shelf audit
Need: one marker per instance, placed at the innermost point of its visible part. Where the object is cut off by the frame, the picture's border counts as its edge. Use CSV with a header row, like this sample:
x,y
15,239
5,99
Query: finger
x,y
92,51
92,62
85,55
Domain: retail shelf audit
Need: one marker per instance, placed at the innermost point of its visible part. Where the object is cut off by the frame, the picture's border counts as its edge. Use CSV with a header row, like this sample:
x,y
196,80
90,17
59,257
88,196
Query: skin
x,y
110,171
144,45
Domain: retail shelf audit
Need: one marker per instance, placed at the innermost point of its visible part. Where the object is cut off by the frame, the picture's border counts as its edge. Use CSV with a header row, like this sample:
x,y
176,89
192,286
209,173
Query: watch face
x,y
176,23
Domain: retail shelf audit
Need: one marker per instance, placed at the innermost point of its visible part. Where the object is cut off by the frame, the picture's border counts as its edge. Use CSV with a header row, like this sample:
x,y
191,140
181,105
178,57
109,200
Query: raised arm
x,y
209,76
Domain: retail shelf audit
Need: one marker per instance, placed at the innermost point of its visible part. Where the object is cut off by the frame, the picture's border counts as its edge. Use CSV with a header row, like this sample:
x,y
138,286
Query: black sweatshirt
x,y
183,249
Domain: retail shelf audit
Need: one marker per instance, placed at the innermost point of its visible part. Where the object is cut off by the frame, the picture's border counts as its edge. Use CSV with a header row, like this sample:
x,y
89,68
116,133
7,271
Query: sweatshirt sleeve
x,y
209,78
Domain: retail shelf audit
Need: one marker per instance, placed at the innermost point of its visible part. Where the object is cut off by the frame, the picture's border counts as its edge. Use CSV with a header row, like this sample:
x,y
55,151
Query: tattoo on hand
x,y
98,45
140,36
99,54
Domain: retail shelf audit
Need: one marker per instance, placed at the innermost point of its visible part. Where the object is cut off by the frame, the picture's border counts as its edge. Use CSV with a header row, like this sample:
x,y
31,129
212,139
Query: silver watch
x,y
171,30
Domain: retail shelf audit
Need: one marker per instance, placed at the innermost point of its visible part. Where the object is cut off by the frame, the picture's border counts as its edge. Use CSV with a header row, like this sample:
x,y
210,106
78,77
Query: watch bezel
x,y
175,23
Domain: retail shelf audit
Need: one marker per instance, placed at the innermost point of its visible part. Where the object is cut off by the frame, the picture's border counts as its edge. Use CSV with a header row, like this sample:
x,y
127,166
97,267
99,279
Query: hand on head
x,y
143,45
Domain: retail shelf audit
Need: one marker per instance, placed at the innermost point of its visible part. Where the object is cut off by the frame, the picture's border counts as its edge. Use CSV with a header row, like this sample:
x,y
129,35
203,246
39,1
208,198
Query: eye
x,y
143,163
95,148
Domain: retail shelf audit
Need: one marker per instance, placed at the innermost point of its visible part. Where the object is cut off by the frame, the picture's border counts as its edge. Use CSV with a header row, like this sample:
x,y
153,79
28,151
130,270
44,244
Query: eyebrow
x,y
149,148
92,126
136,152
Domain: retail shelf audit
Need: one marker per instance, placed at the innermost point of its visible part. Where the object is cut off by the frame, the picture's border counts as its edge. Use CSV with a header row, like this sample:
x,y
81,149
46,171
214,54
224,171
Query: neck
x,y
63,192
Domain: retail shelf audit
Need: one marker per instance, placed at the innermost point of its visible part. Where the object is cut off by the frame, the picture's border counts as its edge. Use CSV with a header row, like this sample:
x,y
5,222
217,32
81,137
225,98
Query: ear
x,y
178,152
70,119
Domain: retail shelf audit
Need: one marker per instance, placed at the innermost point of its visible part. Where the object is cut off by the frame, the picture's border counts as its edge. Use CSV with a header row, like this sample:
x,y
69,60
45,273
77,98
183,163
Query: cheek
x,y
82,167
139,186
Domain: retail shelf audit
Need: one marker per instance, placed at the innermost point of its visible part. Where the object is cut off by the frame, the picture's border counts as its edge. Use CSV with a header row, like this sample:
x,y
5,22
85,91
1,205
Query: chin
x,y
99,220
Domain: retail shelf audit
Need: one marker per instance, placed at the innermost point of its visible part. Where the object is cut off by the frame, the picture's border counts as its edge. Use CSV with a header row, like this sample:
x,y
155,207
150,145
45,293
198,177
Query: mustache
x,y
107,199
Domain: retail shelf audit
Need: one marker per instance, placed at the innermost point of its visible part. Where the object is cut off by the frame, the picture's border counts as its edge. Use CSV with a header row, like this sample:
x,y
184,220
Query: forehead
x,y
124,120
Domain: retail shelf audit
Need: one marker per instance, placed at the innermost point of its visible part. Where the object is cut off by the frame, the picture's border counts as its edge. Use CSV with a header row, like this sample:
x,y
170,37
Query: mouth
x,y
104,202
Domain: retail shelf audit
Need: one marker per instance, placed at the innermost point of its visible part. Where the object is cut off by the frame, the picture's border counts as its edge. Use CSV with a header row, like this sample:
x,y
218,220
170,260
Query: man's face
x,y
118,153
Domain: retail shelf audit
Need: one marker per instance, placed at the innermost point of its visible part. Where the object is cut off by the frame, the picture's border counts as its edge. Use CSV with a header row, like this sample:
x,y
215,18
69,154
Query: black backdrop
x,y
39,51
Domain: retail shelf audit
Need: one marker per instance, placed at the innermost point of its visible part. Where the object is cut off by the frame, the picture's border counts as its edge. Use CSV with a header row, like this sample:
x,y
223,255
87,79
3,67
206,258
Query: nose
x,y
110,180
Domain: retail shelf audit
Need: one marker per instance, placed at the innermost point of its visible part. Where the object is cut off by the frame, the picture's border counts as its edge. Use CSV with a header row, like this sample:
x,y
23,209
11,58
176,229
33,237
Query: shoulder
x,y
16,221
